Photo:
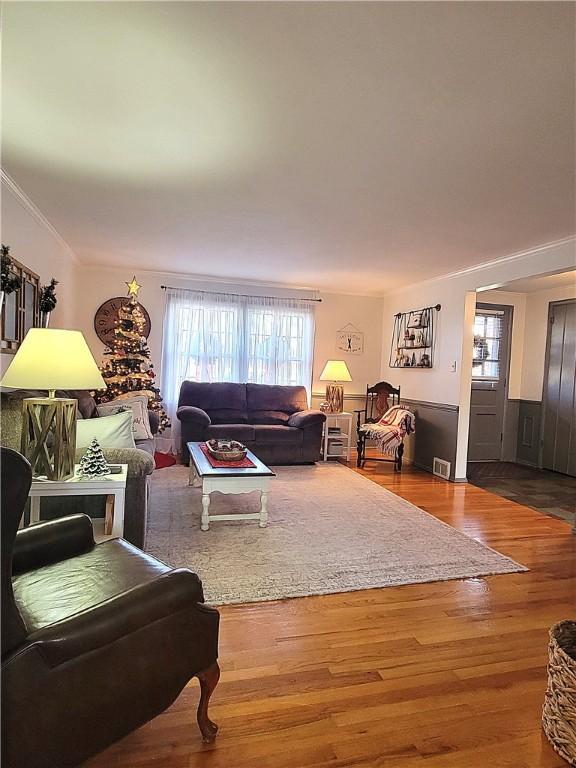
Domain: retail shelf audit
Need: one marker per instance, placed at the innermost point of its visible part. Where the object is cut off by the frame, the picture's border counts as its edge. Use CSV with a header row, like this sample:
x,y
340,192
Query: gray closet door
x,y
559,431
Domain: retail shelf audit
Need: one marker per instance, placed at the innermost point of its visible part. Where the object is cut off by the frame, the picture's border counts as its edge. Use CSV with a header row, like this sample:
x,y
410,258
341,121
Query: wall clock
x,y
350,339
107,314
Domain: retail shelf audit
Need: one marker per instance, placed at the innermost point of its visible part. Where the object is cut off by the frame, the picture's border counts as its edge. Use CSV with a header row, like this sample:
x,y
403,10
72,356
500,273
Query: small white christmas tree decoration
x,y
93,463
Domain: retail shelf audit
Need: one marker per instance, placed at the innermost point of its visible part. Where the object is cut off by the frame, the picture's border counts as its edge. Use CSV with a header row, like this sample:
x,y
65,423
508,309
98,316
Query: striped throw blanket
x,y
392,428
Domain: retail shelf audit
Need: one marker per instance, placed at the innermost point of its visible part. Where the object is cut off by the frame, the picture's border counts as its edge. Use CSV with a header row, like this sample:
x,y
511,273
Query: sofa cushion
x,y
86,403
139,407
241,432
214,397
266,397
272,433
227,416
110,431
268,417
82,582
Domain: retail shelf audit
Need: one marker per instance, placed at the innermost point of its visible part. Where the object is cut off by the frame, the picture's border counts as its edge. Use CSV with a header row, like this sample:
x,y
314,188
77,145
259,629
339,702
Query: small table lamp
x,y
335,370
51,359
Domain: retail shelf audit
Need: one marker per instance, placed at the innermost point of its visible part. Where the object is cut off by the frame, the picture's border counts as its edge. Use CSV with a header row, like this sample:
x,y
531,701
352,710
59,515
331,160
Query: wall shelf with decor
x,y
414,338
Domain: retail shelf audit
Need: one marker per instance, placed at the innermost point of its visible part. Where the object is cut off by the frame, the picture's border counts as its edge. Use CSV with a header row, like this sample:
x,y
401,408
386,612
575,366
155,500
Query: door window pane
x,y
487,346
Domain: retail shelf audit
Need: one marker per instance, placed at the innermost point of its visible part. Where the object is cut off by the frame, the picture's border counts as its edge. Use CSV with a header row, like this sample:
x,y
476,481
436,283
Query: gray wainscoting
x,y
436,433
528,443
510,430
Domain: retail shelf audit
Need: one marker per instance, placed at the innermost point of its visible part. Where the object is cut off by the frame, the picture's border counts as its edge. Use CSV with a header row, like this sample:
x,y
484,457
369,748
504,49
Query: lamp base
x,y
335,398
49,436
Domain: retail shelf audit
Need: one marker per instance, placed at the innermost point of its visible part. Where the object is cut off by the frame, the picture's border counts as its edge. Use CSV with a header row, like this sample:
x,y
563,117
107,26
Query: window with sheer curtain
x,y
220,337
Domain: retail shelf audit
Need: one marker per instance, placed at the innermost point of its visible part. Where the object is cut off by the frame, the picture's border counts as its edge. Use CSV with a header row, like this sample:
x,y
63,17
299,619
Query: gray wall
x,y
510,431
528,442
437,427
436,432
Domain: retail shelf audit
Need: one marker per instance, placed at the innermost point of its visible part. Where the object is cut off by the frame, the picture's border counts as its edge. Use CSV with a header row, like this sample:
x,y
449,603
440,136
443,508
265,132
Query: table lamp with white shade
x,y
335,371
51,359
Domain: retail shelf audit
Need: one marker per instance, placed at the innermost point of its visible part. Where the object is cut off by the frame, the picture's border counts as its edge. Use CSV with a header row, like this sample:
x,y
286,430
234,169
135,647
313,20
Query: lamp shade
x,y
51,358
335,370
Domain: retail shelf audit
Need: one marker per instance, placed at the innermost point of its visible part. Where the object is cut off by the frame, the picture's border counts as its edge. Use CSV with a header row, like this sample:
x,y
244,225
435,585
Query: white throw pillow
x,y
110,431
139,406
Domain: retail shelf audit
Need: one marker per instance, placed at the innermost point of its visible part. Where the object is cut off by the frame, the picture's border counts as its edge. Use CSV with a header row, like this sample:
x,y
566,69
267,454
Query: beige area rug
x,y
329,530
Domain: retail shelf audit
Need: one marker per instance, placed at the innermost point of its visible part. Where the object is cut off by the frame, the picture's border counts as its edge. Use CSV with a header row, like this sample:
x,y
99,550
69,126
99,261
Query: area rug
x,y
329,530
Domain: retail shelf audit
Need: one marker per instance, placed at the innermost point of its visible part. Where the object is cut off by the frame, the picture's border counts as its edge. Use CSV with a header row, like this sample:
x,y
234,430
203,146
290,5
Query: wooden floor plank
x,y
442,675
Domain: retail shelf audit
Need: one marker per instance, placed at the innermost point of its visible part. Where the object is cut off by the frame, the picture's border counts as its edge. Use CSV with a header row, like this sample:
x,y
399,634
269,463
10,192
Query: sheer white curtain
x,y
279,341
221,337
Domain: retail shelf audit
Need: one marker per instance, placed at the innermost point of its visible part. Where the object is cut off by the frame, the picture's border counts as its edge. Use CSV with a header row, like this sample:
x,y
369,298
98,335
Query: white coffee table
x,y
229,480
112,486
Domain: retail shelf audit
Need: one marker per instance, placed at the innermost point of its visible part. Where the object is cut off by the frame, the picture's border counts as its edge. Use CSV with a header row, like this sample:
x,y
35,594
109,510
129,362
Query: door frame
x,y
508,310
543,408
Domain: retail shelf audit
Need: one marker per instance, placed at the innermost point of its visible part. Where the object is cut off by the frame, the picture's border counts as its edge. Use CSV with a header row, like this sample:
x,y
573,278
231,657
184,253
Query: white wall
x,y
535,334
335,311
34,243
455,327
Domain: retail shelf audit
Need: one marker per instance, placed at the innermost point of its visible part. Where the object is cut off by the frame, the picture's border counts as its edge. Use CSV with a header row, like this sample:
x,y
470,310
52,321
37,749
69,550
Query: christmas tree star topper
x,y
133,287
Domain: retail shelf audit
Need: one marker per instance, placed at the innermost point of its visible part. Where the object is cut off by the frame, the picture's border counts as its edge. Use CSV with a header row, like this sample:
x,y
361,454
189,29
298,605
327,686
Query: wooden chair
x,y
379,399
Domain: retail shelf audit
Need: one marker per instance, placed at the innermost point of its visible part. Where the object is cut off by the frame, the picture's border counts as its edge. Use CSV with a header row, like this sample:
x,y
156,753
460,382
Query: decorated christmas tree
x,y
127,369
93,463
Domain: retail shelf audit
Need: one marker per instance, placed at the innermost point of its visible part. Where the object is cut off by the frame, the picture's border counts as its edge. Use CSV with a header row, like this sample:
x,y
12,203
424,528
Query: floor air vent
x,y
441,468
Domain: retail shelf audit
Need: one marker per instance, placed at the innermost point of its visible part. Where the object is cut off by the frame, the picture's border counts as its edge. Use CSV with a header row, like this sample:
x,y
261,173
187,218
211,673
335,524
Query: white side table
x,y
343,423
112,486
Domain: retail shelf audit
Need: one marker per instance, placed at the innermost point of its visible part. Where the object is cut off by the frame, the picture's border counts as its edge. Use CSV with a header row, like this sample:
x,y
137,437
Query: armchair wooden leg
x,y
360,450
399,454
208,682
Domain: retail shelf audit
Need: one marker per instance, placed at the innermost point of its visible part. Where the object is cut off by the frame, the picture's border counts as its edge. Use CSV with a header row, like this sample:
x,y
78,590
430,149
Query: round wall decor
x,y
107,314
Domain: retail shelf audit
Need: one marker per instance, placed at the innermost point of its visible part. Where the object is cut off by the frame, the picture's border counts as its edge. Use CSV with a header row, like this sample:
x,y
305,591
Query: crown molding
x,y
517,256
36,213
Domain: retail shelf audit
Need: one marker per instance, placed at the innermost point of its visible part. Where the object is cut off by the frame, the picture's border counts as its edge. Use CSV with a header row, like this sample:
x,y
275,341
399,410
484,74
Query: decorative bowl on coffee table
x,y
226,450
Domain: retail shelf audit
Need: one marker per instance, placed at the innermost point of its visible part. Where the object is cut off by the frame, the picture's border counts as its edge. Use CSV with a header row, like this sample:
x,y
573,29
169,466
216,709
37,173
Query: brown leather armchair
x,y
96,639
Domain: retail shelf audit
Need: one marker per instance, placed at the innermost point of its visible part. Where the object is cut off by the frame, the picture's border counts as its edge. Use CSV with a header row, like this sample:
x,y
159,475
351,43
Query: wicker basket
x,y
226,450
559,715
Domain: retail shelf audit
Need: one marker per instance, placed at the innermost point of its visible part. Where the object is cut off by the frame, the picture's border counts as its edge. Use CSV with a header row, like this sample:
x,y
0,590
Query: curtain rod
x,y
242,295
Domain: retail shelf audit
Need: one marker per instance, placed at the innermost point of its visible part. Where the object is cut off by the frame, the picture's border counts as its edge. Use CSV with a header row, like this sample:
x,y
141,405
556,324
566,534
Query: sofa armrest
x,y
154,421
140,463
51,542
304,419
191,414
120,616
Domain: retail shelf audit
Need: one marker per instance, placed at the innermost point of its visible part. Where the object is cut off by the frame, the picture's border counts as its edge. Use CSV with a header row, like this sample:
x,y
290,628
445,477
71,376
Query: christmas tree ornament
x,y
133,287
93,463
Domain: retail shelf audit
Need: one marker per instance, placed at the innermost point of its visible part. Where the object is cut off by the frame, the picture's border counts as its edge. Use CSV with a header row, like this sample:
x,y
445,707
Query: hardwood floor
x,y
443,675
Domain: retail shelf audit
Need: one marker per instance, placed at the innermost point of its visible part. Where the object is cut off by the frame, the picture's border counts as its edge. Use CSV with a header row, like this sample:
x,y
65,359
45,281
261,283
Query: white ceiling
x,y
541,283
347,146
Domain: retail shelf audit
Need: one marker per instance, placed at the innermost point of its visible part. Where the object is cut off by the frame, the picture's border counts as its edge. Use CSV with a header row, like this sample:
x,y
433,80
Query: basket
x,y
559,714
226,450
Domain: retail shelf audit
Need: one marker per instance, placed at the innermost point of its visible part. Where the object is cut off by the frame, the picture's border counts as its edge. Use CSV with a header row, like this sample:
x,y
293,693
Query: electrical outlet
x,y
453,366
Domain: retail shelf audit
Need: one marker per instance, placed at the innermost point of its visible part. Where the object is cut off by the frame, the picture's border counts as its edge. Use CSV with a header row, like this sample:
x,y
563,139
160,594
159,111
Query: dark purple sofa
x,y
274,422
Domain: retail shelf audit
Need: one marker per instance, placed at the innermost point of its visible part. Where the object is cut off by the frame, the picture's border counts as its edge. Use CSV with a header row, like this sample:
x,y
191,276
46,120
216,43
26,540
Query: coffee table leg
x,y
263,509
205,524
193,477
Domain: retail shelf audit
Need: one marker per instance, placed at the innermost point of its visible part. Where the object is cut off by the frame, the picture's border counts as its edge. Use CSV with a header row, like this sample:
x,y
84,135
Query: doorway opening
x,y
522,437
490,373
